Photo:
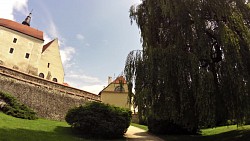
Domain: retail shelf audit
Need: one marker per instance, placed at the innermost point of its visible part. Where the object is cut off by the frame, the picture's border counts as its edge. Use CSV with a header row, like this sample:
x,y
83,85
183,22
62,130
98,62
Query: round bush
x,y
99,120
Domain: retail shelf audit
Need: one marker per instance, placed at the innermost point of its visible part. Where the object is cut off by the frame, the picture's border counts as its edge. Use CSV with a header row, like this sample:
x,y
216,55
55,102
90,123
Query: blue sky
x,y
95,35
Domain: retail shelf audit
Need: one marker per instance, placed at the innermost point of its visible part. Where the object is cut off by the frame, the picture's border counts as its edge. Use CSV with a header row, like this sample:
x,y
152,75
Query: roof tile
x,y
47,45
22,28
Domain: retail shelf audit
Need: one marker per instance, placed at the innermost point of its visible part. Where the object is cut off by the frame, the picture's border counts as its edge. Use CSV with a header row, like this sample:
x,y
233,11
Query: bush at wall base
x,y
98,120
14,108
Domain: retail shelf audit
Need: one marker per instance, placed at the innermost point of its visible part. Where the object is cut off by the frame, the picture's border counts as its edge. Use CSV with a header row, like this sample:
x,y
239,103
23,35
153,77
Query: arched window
x,y
41,75
119,89
54,79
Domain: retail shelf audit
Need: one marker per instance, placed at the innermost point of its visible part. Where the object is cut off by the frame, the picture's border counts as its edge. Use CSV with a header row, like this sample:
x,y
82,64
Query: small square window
x,y
48,65
27,55
14,40
11,50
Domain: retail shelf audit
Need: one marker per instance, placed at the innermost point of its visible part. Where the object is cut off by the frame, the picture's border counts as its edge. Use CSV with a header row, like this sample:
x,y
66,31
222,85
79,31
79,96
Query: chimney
x,y
109,80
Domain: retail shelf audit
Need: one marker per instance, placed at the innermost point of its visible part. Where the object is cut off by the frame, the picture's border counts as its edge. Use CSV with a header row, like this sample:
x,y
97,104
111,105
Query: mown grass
x,y
15,129
224,133
144,127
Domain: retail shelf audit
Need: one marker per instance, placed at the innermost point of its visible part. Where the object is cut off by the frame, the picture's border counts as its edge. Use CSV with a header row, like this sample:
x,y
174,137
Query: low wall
x,y
48,99
47,84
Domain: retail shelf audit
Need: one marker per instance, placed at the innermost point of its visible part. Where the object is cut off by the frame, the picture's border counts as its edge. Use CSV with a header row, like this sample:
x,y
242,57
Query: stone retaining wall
x,y
48,99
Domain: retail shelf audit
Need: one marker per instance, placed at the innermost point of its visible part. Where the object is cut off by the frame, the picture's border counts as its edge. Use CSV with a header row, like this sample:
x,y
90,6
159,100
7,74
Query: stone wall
x,y
48,99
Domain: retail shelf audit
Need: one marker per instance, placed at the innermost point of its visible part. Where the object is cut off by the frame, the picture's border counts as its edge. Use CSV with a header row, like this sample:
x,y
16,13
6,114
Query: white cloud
x,y
67,54
46,38
52,29
7,8
135,2
79,36
93,88
84,82
83,78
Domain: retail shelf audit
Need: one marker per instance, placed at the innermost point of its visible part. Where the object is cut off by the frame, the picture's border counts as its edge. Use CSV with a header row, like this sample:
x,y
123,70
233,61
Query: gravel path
x,y
137,134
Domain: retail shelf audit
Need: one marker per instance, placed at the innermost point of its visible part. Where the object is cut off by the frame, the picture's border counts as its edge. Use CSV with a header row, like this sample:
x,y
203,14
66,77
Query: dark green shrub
x,y
99,120
15,109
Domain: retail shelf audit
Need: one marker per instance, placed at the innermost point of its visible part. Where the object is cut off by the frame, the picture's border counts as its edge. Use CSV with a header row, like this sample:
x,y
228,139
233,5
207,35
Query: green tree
x,y
194,68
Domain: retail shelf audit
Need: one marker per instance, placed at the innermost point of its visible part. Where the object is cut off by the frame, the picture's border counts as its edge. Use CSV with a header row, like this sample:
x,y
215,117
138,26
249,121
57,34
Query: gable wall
x,y
120,99
55,68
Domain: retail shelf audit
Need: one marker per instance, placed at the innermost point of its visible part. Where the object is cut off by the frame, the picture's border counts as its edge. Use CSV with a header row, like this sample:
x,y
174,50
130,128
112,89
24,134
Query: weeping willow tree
x,y
194,68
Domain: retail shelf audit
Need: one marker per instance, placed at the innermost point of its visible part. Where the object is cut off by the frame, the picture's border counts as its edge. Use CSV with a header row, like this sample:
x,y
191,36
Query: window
x,y
11,50
41,75
14,40
27,55
54,79
48,65
119,89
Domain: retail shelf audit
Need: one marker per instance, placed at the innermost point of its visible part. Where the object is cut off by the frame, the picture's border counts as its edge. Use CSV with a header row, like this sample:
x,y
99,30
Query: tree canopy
x,y
194,67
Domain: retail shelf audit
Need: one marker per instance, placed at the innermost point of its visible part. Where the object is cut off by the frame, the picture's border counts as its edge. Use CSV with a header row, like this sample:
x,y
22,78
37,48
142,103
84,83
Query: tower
x,y
27,20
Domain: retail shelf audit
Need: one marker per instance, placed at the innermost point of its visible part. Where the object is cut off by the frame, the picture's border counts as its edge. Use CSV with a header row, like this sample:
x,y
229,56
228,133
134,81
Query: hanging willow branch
x,y
130,71
194,70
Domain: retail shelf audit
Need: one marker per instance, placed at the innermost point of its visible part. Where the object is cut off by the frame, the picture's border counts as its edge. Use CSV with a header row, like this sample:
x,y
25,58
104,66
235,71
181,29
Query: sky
x,y
95,36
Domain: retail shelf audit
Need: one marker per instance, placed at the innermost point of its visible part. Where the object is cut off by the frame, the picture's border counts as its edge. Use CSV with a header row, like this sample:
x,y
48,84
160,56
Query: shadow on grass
x,y
236,135
59,134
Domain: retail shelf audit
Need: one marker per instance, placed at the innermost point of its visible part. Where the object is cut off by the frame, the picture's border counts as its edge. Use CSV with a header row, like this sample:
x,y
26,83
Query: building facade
x,y
116,93
22,48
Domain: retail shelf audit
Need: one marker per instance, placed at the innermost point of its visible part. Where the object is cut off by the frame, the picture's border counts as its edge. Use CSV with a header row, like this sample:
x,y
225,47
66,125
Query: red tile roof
x,y
116,81
119,79
22,28
47,45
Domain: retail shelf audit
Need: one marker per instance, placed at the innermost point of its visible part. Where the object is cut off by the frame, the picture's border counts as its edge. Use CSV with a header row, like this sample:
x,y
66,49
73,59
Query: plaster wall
x,y
24,44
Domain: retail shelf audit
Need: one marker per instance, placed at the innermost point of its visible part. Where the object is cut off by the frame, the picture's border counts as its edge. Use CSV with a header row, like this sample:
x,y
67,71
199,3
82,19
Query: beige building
x,y
116,93
23,49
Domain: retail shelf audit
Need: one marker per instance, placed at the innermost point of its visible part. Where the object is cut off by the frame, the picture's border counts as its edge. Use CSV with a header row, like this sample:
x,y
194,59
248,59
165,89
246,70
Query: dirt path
x,y
137,134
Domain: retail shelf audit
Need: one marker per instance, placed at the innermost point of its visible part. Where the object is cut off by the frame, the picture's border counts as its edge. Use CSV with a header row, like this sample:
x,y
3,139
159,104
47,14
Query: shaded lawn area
x,y
225,133
15,129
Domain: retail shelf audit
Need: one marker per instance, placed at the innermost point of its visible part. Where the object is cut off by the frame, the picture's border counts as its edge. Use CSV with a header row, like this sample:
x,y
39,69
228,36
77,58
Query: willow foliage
x,y
194,68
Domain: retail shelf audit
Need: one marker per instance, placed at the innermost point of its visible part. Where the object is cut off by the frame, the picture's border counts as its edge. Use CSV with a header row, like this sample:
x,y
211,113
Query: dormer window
x,y
14,40
119,89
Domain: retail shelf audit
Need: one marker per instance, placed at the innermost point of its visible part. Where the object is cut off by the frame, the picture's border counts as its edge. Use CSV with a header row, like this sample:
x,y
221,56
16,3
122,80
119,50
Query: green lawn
x,y
144,127
15,129
225,133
